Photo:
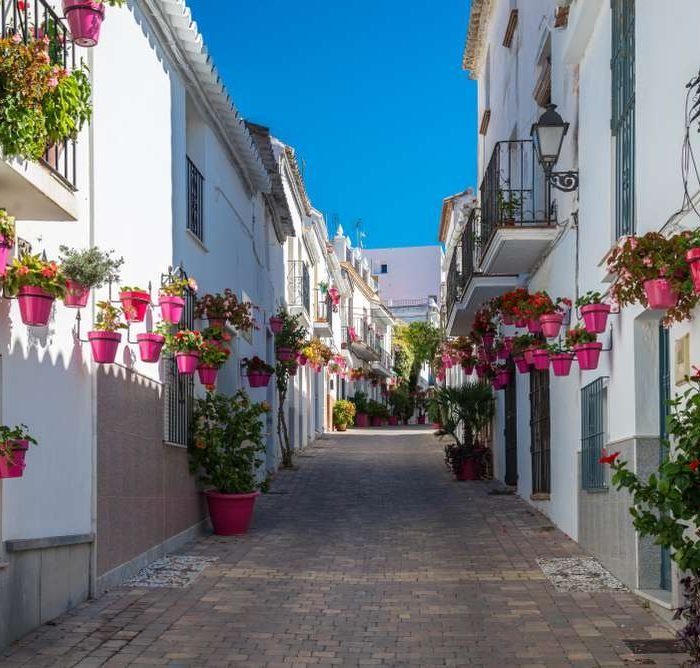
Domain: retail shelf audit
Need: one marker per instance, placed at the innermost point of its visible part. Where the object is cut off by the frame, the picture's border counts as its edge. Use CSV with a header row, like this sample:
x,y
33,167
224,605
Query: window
x,y
384,269
179,389
539,432
593,434
622,121
195,200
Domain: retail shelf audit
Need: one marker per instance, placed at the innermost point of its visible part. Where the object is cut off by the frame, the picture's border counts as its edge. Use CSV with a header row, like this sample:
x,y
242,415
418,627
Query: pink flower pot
x,y
503,377
84,20
5,250
34,305
207,375
188,362
534,327
231,514
508,344
276,324
302,359
507,319
377,421
292,370
561,363
14,468
471,470
421,419
285,355
595,317
362,420
520,322
529,355
258,378
660,294
521,364
171,308
393,421
150,346
487,340
551,324
588,355
135,305
76,296
104,346
540,359
693,259
220,323
502,354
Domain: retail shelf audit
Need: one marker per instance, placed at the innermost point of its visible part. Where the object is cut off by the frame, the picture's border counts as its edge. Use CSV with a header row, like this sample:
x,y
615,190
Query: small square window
x,y
384,269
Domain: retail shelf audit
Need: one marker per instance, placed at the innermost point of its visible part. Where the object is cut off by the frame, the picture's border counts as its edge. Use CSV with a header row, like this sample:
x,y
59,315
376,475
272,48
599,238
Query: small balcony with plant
x,y
324,307
299,289
361,339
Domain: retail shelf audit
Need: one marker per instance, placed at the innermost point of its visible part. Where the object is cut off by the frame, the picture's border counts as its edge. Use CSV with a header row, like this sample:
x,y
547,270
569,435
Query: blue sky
x,y
369,92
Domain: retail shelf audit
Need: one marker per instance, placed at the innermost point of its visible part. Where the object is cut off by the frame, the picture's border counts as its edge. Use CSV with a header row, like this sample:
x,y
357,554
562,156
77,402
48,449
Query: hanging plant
x,y
212,356
171,297
36,283
14,443
86,269
185,344
593,311
222,308
105,337
258,371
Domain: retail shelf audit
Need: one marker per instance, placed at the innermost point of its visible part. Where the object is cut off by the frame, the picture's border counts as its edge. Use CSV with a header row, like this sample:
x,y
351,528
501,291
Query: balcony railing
x,y
299,285
465,259
323,311
514,191
386,359
362,332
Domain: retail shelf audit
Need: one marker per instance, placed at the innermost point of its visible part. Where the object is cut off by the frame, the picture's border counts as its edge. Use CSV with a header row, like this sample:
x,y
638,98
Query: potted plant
x,y
561,359
85,18
523,347
540,358
421,401
593,311
186,345
484,328
464,413
14,443
105,337
226,452
502,376
212,356
84,270
151,343
222,308
402,405
291,339
36,284
508,206
510,305
171,297
7,239
361,408
334,294
378,413
552,316
343,414
258,371
586,347
135,302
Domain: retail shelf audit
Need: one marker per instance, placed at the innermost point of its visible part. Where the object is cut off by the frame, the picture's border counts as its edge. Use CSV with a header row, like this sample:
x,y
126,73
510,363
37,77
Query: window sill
x,y
540,496
197,240
596,490
175,445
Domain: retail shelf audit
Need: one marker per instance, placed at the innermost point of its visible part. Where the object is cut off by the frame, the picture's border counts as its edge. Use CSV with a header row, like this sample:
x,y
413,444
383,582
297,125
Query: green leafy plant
x,y
524,342
591,297
175,286
7,229
8,436
108,318
226,306
130,288
258,365
213,354
377,410
67,105
361,402
401,402
228,442
184,341
31,270
90,267
578,335
343,412
508,206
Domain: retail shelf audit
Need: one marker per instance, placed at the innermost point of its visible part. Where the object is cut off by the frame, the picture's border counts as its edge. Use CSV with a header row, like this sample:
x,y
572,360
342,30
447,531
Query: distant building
x,y
409,281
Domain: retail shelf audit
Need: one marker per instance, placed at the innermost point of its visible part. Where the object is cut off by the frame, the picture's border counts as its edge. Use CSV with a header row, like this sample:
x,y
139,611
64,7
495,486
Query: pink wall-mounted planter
x,y
521,364
529,355
150,346
292,369
660,294
276,324
104,346
84,20
595,317
15,467
258,378
520,322
540,359
5,251
285,355
561,363
302,360
171,308
76,296
481,370
468,369
693,259
135,305
551,324
34,305
507,319
231,514
187,363
588,355
487,340
207,375
534,326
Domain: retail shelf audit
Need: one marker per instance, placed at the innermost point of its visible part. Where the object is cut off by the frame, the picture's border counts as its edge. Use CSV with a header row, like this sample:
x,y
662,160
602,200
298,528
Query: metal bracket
x,y
565,181
76,329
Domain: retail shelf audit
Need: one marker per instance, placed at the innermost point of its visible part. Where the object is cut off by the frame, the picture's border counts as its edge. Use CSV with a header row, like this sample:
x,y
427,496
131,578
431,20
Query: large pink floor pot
x,y
104,346
561,363
34,305
231,514
84,20
12,466
551,324
76,295
595,317
362,420
660,294
471,470
150,346
588,355
171,308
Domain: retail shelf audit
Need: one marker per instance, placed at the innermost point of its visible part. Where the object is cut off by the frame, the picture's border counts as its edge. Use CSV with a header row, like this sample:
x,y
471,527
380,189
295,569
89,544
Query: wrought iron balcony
x,y
299,286
465,259
362,340
385,363
323,313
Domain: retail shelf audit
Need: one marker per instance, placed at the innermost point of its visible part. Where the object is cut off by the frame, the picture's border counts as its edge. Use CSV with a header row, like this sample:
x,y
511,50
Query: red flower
x,y
608,459
693,466
21,5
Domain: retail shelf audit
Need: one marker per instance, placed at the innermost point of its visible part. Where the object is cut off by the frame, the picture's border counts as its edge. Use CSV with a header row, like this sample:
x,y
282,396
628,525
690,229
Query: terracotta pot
x,y
231,514
595,317
341,427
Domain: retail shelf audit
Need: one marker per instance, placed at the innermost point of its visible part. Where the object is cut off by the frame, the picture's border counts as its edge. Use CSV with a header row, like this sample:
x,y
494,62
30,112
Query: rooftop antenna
x,y
359,234
335,222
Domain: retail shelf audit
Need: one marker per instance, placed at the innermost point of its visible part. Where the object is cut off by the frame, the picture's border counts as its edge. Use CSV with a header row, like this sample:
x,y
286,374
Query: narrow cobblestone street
x,y
368,554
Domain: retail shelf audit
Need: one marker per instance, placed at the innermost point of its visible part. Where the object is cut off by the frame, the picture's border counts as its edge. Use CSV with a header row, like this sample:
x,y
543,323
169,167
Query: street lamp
x,y
548,135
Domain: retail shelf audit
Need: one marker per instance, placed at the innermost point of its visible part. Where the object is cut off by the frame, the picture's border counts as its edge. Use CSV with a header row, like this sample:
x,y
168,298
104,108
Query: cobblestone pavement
x,y
367,555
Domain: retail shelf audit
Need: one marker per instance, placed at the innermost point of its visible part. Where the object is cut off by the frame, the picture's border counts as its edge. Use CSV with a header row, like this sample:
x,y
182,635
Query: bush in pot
x,y
37,284
586,347
86,269
186,345
593,311
225,308
171,297
378,412
343,414
402,404
7,239
212,356
291,339
105,337
151,343
258,371
360,400
14,443
226,452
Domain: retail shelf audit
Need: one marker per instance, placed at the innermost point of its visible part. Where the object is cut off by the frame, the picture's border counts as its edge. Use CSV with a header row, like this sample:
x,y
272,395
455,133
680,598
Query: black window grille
x,y
540,432
195,200
179,389
593,430
299,283
623,115
511,432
